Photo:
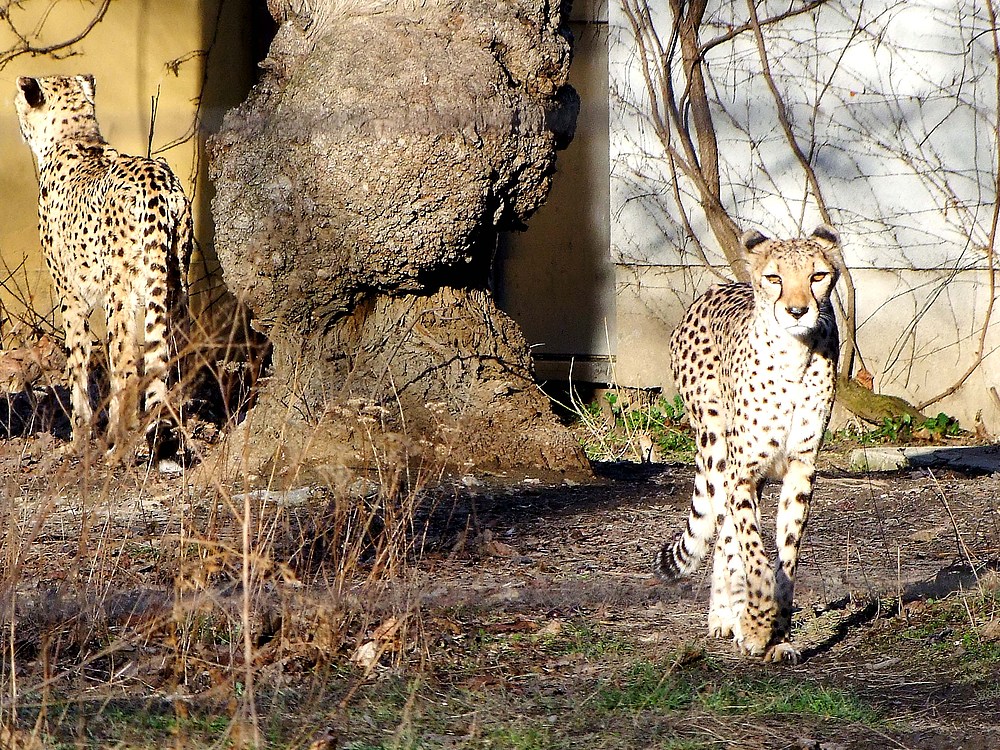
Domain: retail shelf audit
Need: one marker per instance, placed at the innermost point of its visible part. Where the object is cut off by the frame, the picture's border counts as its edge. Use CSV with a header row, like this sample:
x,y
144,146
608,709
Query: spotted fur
x,y
756,366
115,232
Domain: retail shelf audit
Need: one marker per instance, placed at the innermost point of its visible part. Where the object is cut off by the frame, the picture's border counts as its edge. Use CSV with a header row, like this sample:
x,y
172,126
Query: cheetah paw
x,y
748,648
720,631
750,645
782,652
720,625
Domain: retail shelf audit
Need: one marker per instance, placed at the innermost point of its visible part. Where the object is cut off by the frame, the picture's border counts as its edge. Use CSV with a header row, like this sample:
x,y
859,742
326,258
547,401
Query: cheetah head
x,y
55,108
793,279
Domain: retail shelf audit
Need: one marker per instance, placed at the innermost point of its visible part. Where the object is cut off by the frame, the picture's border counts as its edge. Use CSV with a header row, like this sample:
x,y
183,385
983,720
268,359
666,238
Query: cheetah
x,y
116,232
756,366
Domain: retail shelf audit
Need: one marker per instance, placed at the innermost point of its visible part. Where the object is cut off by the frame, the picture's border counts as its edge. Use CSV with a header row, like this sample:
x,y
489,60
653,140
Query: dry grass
x,y
126,593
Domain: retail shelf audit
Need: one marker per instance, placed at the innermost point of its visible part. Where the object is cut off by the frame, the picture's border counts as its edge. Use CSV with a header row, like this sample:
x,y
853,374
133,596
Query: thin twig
x,y
848,311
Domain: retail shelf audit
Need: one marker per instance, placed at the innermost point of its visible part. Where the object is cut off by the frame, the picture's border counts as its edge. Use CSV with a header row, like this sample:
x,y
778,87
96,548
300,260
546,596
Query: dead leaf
x,y
990,631
552,627
865,379
495,548
325,740
450,627
387,629
928,535
990,581
366,655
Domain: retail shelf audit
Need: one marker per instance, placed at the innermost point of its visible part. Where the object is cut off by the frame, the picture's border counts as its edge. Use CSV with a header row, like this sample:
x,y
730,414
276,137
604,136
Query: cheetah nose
x,y
797,312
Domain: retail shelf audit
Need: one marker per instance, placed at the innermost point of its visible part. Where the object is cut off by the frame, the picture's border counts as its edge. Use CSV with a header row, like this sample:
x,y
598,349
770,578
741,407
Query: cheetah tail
x,y
666,565
683,556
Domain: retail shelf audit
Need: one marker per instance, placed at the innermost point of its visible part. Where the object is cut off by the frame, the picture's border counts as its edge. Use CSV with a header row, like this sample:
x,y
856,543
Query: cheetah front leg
x,y
793,514
757,608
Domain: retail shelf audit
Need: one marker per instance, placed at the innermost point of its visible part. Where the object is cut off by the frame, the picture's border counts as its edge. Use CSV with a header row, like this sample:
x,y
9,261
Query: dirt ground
x,y
523,615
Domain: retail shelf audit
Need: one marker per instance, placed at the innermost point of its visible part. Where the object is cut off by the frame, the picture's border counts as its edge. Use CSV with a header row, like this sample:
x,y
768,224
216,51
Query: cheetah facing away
x,y
115,232
756,366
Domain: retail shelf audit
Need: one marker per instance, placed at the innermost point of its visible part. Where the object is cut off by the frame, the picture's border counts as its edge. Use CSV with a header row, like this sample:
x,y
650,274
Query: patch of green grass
x,y
571,639
686,743
669,687
126,721
647,686
585,640
520,737
778,697
946,633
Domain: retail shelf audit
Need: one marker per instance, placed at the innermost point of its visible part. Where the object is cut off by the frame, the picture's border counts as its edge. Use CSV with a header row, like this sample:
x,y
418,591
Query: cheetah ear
x,y
751,239
827,235
88,85
32,92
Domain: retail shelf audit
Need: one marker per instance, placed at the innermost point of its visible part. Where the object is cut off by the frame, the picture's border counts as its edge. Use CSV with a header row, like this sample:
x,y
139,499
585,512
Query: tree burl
x,y
359,191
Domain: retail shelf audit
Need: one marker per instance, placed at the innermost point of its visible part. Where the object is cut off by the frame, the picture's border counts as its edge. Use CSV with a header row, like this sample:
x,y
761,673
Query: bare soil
x,y
520,613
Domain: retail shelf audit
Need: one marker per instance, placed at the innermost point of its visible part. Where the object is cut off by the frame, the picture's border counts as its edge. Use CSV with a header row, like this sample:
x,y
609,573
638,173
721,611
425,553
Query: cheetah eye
x,y
773,278
819,276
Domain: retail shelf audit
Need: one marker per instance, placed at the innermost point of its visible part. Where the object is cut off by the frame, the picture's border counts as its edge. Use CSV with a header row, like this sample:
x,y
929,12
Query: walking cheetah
x,y
756,366
115,231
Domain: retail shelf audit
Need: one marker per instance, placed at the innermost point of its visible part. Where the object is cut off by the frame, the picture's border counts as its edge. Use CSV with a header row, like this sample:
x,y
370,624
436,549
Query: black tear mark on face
x,y
32,91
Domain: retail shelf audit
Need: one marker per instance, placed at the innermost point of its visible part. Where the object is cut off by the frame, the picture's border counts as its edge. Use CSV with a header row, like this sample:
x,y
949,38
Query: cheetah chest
x,y
777,400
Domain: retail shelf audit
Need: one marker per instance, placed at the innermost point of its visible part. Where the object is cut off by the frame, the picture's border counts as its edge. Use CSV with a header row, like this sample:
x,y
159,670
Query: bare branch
x,y
848,313
750,25
26,47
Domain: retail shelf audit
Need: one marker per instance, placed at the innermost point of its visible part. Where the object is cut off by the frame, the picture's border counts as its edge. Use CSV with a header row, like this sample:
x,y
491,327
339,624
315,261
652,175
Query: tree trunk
x,y
358,195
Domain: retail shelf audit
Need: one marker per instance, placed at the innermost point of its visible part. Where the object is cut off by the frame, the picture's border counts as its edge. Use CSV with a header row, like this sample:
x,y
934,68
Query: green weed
x,y
520,737
947,634
678,743
628,426
585,640
901,429
647,686
771,697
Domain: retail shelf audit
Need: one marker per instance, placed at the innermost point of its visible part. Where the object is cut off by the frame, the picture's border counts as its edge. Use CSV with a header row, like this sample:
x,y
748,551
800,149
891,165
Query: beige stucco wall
x,y
142,49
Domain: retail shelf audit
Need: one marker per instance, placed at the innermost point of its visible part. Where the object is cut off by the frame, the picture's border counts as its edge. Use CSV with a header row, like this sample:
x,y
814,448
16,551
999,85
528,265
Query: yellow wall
x,y
131,53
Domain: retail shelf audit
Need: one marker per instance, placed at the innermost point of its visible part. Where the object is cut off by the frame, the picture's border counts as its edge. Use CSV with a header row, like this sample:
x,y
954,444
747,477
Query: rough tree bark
x,y
358,193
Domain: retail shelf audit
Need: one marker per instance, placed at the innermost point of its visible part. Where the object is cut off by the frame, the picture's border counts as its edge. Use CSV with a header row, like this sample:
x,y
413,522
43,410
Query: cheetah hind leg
x,y
723,617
